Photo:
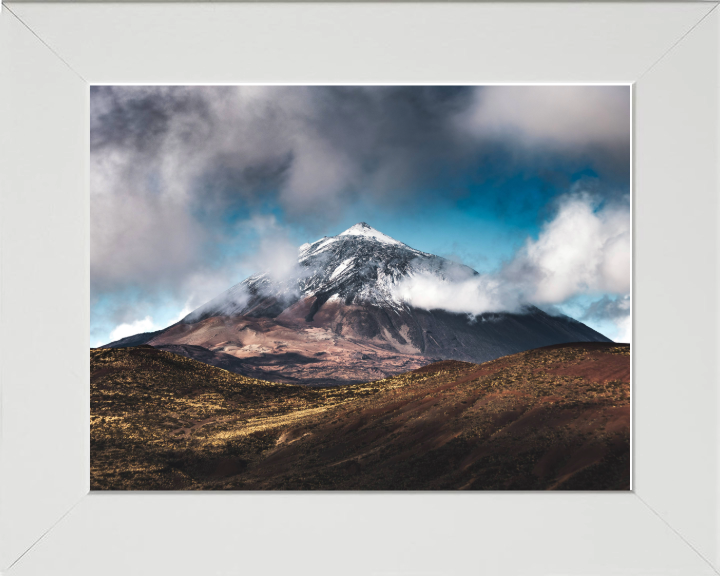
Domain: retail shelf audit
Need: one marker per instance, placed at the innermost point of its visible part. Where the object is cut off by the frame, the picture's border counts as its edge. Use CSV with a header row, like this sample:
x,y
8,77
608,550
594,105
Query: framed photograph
x,y
251,331
264,220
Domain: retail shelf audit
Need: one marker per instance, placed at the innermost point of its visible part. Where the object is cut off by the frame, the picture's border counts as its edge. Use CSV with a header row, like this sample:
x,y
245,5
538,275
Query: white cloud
x,y
613,311
180,315
472,295
624,330
583,250
130,329
146,324
274,252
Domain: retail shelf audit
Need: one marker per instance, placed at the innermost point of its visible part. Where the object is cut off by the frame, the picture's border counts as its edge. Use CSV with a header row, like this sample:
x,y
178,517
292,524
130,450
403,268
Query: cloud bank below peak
x,y
583,250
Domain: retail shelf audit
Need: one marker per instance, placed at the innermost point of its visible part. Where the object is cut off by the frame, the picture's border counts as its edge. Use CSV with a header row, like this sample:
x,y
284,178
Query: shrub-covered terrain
x,y
551,418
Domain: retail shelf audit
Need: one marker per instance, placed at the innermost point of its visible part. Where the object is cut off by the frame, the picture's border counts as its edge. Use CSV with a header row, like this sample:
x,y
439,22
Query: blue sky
x,y
529,185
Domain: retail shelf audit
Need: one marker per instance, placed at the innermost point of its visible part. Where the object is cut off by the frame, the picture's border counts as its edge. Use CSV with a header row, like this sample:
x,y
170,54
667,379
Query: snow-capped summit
x,y
359,266
364,229
364,266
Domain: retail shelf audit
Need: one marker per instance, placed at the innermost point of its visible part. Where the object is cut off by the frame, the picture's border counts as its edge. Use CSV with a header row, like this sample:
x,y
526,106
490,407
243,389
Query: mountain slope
x,y
551,418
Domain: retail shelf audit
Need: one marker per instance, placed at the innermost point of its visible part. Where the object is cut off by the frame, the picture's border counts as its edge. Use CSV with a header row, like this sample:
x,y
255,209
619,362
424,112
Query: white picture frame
x,y
50,53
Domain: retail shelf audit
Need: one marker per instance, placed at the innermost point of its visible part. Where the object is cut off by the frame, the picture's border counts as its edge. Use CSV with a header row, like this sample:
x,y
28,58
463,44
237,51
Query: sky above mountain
x,y
195,188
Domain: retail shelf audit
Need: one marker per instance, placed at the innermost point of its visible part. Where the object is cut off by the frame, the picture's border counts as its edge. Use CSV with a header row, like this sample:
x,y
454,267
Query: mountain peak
x,y
364,229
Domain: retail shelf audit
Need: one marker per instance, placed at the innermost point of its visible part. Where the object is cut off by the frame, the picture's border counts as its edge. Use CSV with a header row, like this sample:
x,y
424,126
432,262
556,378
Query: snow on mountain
x,y
363,229
359,266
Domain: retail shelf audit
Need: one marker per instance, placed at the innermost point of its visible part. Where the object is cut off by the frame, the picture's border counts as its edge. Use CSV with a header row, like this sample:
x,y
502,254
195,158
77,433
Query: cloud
x,y
169,164
273,252
607,308
576,121
615,310
229,302
583,249
146,324
270,253
137,327
166,163
137,238
178,173
562,116
473,295
624,329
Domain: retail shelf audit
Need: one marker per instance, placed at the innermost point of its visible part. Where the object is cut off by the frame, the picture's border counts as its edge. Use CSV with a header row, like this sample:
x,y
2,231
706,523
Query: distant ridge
x,y
130,341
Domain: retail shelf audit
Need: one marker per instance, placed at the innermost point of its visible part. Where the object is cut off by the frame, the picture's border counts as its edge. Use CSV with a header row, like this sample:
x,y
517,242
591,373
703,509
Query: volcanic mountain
x,y
340,317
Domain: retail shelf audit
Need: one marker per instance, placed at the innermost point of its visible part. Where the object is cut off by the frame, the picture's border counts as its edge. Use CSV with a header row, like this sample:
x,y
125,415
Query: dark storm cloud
x,y
139,118
174,168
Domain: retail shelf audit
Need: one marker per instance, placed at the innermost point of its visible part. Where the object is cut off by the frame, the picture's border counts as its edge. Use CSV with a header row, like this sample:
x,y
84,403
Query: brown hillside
x,y
550,418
